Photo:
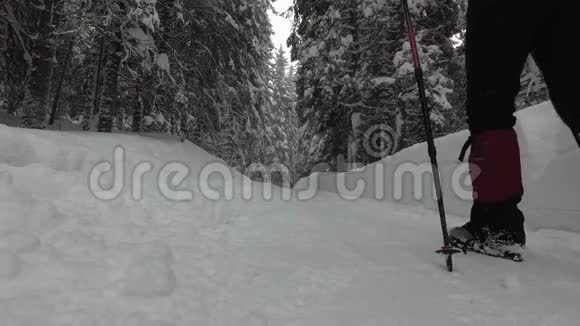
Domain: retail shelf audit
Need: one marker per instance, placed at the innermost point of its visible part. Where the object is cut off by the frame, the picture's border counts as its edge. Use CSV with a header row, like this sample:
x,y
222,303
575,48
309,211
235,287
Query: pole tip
x,y
450,263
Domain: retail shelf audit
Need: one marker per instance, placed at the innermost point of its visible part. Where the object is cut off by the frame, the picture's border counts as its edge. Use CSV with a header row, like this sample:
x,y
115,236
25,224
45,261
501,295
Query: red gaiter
x,y
496,170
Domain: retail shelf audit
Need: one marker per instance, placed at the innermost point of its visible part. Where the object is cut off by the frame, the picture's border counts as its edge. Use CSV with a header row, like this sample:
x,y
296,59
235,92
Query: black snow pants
x,y
501,34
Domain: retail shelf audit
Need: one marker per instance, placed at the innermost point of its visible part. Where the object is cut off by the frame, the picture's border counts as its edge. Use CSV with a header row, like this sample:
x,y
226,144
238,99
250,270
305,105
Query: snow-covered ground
x,y
68,258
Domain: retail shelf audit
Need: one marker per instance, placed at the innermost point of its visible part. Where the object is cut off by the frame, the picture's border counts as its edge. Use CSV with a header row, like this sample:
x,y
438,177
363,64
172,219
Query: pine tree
x,y
320,41
135,20
37,95
356,72
282,125
220,92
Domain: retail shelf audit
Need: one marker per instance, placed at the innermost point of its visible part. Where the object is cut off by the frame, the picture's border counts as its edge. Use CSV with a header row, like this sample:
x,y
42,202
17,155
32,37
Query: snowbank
x,y
70,258
550,165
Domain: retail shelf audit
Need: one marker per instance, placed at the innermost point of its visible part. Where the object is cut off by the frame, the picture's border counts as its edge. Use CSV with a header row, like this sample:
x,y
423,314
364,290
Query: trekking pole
x,y
447,250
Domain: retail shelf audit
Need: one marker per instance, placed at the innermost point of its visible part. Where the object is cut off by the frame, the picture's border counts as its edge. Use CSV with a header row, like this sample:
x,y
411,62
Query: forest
x,y
207,71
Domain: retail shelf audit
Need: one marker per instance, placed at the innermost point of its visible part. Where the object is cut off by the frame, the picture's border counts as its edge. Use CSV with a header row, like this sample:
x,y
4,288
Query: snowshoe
x,y
483,241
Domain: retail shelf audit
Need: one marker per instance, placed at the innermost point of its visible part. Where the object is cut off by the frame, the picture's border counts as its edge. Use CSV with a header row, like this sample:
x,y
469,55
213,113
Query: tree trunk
x,y
92,82
58,89
137,121
167,16
108,90
35,106
148,98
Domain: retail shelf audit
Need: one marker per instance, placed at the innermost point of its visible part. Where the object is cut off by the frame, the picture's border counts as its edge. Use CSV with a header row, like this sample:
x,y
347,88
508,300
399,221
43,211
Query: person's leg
x,y
500,36
556,52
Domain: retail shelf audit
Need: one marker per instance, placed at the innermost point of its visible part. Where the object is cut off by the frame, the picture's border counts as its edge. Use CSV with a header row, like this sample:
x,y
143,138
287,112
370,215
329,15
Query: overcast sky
x,y
282,27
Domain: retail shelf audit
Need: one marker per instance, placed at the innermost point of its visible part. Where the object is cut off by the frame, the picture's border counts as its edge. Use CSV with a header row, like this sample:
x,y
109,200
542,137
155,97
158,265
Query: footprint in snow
x,y
10,265
511,283
254,319
18,242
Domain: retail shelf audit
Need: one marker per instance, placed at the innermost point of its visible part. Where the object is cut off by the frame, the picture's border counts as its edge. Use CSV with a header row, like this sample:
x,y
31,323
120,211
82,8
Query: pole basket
x,y
448,251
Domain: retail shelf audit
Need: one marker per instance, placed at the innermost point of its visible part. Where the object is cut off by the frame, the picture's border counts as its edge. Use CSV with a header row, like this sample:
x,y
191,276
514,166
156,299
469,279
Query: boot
x,y
493,225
